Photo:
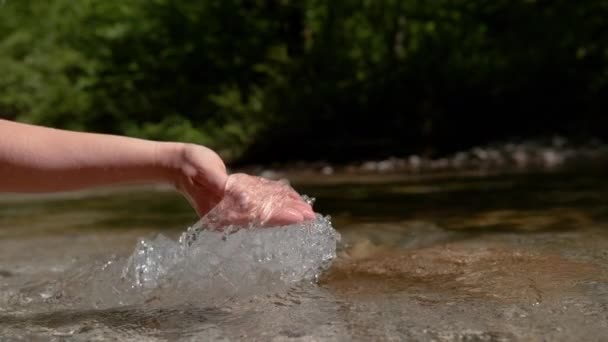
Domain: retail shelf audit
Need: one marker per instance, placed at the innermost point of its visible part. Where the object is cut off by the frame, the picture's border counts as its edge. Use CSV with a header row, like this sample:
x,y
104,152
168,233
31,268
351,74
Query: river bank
x,y
525,156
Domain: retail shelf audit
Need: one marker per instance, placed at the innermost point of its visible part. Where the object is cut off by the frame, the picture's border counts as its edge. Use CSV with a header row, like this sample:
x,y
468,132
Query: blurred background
x,y
344,98
284,80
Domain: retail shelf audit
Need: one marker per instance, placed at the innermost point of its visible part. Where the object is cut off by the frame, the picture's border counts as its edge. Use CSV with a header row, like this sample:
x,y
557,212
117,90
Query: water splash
x,y
231,251
210,266
237,257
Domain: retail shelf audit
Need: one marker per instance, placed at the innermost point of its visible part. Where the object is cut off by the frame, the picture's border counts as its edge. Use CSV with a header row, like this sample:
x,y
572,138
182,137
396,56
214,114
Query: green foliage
x,y
327,76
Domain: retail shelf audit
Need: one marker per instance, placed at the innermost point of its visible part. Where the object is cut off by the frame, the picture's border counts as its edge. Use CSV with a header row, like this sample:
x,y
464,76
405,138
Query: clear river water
x,y
454,257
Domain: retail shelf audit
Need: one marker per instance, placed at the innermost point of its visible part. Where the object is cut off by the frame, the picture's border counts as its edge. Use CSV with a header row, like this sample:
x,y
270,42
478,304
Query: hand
x,y
200,175
258,201
238,199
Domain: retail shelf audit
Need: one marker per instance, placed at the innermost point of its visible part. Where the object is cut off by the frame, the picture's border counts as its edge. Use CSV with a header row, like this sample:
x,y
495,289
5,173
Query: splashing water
x,y
208,265
240,257
215,260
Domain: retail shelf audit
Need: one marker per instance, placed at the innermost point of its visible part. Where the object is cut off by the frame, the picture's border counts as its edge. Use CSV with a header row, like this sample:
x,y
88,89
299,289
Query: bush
x,y
277,79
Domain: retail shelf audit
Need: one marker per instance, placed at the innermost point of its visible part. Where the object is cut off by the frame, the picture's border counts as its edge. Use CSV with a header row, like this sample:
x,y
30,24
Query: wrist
x,y
167,161
194,170
205,168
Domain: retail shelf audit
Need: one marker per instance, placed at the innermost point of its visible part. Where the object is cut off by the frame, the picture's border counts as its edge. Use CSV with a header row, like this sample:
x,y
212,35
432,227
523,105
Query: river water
x,y
457,257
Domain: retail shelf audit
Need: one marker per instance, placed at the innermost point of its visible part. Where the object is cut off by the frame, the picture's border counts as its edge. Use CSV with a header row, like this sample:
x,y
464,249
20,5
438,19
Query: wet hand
x,y
238,199
258,201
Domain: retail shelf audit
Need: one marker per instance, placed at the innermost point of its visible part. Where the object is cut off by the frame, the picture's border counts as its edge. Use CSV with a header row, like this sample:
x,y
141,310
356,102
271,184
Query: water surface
x,y
451,258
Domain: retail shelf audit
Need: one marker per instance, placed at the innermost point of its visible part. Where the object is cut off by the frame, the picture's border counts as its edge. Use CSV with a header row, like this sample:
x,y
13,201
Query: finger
x,y
309,215
291,193
299,204
294,195
304,208
284,217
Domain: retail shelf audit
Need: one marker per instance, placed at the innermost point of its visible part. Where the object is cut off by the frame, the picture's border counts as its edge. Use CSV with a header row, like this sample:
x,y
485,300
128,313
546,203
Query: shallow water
x,y
450,258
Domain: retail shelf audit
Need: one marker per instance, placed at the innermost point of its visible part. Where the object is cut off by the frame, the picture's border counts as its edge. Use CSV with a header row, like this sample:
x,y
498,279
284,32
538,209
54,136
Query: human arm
x,y
40,159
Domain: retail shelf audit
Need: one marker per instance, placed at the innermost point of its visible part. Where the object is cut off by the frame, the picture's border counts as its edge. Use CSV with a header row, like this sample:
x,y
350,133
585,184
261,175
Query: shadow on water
x,y
169,323
100,212
499,203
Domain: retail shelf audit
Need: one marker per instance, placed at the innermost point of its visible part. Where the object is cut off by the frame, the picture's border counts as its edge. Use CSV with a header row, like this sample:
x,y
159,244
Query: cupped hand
x,y
261,202
238,199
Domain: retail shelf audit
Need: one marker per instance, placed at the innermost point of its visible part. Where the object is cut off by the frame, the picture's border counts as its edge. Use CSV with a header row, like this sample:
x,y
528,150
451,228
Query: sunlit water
x,y
454,258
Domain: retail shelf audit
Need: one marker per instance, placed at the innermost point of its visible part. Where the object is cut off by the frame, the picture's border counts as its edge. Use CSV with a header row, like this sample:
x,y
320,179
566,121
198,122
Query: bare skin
x,y
37,159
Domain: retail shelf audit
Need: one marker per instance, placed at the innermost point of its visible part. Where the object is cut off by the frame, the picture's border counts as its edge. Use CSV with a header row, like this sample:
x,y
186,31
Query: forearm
x,y
39,159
